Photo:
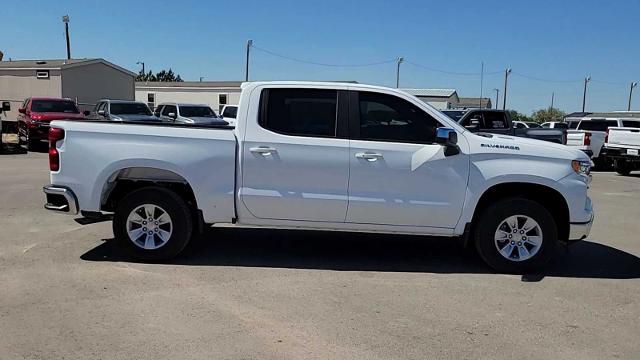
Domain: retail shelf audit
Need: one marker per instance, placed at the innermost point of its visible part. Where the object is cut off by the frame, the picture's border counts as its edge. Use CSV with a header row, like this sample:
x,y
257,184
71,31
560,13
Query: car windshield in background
x,y
196,111
532,124
454,114
230,112
54,106
129,109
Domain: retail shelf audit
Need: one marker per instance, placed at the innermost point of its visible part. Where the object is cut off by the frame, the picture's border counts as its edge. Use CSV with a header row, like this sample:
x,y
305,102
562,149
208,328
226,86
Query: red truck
x,y
35,115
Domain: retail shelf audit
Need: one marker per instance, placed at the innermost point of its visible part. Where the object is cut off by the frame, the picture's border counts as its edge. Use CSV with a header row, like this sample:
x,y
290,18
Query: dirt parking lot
x,y
256,294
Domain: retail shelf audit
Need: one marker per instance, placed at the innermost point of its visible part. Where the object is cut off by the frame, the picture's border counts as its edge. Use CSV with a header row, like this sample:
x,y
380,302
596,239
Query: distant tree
x,y
549,114
516,116
164,75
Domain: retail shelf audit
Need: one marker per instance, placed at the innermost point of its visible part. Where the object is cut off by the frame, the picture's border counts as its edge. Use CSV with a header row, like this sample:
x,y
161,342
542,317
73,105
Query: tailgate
x,y
624,137
575,138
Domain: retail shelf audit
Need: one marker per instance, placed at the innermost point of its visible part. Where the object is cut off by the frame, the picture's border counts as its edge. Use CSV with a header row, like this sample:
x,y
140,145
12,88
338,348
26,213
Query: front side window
x,y
230,112
301,112
390,118
168,109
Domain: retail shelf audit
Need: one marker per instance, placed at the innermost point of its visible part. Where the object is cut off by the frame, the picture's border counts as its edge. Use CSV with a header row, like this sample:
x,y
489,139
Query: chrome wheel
x,y
518,238
149,226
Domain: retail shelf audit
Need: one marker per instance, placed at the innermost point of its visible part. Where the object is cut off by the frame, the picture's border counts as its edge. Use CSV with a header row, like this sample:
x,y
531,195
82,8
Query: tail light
x,y
587,139
606,136
55,135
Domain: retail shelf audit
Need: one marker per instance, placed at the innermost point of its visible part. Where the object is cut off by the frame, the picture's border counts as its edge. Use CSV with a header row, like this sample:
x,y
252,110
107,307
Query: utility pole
x,y
481,80
246,70
399,61
497,96
141,63
633,84
553,94
584,94
65,20
504,95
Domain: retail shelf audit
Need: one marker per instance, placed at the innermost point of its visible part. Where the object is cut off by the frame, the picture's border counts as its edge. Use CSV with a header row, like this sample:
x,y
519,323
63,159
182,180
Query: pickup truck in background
x,y
623,146
35,115
499,122
320,155
589,135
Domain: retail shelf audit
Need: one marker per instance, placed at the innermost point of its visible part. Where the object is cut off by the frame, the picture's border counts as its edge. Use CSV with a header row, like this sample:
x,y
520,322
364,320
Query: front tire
x,y
152,224
516,235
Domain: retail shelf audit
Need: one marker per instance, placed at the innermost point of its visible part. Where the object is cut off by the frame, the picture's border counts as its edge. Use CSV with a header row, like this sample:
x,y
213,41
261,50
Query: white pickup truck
x,y
623,146
332,156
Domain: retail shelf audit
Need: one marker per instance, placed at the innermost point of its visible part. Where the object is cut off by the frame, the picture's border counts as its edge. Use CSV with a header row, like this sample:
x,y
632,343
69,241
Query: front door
x,y
295,166
398,174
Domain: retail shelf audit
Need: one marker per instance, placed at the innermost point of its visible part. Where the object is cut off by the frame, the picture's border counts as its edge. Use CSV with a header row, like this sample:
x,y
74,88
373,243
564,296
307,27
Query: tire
x,y
156,240
622,167
492,224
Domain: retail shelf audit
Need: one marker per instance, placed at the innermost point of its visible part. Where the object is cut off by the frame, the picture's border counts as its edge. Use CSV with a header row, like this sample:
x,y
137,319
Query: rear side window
x,y
301,112
633,124
573,124
230,112
390,118
495,120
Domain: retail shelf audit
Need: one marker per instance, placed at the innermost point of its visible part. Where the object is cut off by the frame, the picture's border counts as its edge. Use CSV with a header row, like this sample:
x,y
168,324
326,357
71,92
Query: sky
x,y
550,45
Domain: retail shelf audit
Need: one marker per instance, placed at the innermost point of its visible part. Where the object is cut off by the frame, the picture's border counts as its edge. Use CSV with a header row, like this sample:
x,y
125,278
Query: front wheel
x,y
516,235
152,224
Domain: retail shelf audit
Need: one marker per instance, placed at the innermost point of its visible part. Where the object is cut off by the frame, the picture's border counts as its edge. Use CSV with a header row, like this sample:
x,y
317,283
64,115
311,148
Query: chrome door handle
x,y
263,150
369,156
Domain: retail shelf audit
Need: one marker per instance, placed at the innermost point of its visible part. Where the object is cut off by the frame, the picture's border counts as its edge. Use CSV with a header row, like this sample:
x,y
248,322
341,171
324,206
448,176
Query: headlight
x,y
581,167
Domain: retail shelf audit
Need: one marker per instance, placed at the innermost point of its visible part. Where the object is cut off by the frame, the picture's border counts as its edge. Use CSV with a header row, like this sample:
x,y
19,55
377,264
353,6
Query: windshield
x,y
196,111
532,124
54,106
454,114
230,112
130,109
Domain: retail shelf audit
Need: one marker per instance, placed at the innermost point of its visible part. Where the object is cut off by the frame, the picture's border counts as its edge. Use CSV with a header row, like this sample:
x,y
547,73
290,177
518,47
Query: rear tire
x,y
152,224
516,235
622,167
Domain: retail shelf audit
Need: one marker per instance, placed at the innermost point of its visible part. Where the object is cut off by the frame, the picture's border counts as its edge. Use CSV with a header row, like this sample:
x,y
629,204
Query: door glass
x,y
389,118
495,120
301,112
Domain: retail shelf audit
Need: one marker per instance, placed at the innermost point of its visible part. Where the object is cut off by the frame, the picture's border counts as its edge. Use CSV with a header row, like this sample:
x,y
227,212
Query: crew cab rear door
x,y
398,174
295,160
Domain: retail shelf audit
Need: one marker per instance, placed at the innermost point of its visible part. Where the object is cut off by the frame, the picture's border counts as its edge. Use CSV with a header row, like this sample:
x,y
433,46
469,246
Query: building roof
x,y
57,64
188,84
466,102
611,114
445,93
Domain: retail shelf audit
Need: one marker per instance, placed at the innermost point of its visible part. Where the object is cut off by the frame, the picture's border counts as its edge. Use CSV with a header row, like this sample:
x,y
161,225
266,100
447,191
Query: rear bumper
x,y
60,199
621,153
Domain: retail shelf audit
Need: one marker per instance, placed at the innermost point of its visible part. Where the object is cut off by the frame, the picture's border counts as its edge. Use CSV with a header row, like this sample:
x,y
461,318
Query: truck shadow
x,y
343,251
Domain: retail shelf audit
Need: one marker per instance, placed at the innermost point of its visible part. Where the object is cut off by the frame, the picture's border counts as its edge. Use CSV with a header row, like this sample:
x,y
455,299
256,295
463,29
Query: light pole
x,y
201,77
633,84
141,63
481,81
65,20
504,95
246,70
553,94
497,96
584,94
399,61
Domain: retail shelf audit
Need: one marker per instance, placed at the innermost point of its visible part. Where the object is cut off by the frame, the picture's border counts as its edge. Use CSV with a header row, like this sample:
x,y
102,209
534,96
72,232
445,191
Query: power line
x,y
451,72
322,64
546,80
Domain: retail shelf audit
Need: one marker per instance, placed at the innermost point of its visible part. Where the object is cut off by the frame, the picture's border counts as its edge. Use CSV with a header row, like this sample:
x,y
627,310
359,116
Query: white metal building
x,y
441,99
213,93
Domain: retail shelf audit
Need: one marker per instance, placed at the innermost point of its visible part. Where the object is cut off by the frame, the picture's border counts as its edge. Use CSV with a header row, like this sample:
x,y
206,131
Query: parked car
x,y
499,122
122,110
589,134
622,145
188,114
525,125
6,106
322,155
36,113
229,114
555,125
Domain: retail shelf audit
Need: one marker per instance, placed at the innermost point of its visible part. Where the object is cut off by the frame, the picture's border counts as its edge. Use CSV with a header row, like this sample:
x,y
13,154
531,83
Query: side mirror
x,y
172,115
474,125
6,106
101,112
22,111
86,112
449,139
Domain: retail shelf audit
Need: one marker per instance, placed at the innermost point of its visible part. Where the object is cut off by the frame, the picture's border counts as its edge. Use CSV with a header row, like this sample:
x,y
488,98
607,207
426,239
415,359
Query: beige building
x,y
84,80
441,99
213,93
474,103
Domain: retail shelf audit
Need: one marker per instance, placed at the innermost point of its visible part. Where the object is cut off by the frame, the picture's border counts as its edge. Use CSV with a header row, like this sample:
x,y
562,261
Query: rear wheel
x,y
516,235
622,167
152,224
